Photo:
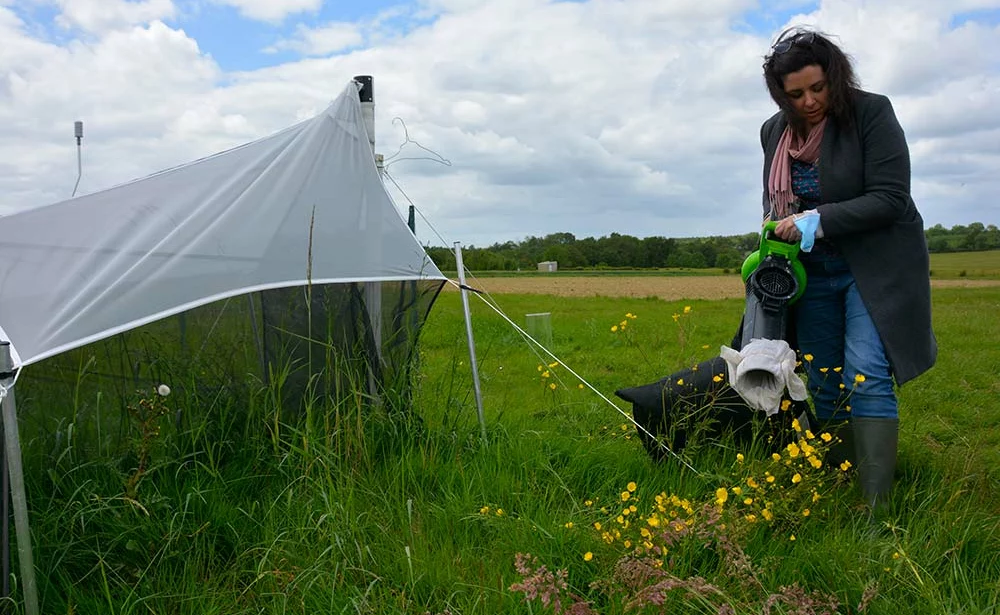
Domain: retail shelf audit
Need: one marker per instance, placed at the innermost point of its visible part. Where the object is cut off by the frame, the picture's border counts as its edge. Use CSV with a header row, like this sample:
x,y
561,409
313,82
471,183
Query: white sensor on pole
x,y
78,133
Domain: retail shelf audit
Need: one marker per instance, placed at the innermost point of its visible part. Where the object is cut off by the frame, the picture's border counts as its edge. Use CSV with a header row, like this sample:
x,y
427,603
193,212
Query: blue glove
x,y
807,222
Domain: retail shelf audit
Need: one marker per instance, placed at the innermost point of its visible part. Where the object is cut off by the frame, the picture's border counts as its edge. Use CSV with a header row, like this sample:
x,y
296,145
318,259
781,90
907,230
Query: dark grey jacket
x,y
867,212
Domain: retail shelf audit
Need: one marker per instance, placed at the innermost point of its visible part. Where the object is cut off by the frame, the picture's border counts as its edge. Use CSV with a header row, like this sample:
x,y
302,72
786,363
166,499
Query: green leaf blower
x,y
774,279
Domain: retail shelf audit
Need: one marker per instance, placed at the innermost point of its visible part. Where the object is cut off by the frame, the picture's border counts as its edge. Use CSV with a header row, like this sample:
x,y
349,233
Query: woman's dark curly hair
x,y
797,48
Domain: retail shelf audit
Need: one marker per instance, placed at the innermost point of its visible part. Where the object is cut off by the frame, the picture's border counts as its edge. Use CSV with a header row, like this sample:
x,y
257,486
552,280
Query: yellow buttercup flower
x,y
614,328
552,385
824,369
588,556
807,357
632,486
687,309
825,437
721,495
797,478
859,378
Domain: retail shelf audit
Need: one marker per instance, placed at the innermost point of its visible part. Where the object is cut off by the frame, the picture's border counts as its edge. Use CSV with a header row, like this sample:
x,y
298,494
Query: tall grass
x,y
246,509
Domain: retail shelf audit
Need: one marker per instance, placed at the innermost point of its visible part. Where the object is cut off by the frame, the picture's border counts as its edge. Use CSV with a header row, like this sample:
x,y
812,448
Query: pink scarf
x,y
779,181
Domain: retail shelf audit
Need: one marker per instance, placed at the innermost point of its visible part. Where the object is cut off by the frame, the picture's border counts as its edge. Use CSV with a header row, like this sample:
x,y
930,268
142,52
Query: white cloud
x,y
271,10
324,40
637,117
103,15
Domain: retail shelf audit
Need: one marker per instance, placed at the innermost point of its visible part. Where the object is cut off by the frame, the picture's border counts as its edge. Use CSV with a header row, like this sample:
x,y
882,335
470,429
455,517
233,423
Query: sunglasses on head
x,y
784,46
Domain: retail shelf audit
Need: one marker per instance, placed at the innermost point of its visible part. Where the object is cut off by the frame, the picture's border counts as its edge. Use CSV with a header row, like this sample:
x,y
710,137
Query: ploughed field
x,y
669,288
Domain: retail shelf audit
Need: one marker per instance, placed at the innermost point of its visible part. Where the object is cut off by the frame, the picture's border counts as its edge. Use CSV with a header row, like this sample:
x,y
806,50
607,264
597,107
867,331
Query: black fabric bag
x,y
693,398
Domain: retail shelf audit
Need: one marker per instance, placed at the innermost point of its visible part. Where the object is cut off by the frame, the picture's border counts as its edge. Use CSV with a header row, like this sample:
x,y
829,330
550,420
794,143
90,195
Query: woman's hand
x,y
787,231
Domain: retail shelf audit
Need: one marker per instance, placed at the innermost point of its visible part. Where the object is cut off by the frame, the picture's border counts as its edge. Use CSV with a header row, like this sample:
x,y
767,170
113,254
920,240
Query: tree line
x,y
617,251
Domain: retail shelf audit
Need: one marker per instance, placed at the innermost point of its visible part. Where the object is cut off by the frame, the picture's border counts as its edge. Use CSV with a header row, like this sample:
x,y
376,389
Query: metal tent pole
x,y
5,528
472,342
373,290
12,449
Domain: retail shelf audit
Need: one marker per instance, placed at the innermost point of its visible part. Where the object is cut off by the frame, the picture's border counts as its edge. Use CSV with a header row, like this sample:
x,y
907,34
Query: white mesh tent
x,y
292,235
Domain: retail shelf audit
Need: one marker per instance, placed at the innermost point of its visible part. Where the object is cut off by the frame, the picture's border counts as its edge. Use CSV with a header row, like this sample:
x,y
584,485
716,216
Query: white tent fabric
x,y
239,221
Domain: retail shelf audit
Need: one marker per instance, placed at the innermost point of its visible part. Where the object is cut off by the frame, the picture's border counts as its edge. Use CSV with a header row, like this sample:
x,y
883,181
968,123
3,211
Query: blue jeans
x,y
848,371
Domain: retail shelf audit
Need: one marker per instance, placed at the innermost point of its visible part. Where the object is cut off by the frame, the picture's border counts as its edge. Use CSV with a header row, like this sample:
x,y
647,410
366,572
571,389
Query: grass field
x,y
966,264
243,509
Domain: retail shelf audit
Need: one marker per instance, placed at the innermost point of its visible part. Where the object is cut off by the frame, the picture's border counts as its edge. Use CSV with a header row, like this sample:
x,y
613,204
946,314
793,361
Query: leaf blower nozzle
x,y
774,280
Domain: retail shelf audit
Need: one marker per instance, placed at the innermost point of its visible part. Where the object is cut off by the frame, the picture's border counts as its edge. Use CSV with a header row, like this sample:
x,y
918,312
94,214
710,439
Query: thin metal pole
x,y
12,444
472,341
5,528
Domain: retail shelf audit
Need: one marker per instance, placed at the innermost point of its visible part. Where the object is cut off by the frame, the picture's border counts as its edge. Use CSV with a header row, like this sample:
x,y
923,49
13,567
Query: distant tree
x,y
729,258
937,244
936,230
687,257
442,257
656,251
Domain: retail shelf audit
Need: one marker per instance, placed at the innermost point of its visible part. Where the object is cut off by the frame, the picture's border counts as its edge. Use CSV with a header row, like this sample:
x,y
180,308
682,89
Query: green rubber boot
x,y
875,445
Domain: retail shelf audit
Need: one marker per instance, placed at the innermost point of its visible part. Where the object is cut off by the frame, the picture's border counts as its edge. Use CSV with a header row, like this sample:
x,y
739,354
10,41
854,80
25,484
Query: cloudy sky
x,y
634,116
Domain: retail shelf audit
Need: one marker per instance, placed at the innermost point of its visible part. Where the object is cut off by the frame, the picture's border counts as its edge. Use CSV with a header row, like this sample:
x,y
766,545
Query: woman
x,y
836,166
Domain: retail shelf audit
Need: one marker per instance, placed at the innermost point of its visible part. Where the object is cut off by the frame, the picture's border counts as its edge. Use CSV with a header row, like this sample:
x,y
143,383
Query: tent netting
x,y
281,263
